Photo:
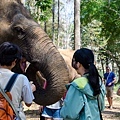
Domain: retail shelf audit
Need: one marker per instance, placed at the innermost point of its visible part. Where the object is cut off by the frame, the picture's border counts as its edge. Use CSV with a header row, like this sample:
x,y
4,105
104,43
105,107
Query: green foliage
x,y
107,13
116,87
41,10
110,19
89,10
45,7
44,4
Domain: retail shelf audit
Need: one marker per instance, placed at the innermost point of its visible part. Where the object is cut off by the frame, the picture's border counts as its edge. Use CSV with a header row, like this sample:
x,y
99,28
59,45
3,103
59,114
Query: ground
x,y
114,114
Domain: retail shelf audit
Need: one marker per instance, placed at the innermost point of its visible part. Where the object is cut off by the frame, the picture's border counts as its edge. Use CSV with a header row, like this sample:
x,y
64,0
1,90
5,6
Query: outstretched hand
x,y
40,109
33,87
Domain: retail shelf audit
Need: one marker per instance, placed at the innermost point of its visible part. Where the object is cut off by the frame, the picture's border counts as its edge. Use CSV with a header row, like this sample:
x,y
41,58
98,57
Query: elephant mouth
x,y
41,81
23,64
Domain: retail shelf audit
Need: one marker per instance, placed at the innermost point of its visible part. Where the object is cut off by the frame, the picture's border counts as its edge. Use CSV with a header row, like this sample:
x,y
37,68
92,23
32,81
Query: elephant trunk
x,y
45,57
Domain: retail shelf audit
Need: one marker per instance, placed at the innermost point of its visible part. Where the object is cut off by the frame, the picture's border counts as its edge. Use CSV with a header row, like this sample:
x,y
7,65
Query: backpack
x,y
6,111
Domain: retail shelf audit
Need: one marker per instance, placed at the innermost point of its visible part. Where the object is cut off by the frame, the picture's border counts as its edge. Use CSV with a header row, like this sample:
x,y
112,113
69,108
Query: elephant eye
x,y
18,30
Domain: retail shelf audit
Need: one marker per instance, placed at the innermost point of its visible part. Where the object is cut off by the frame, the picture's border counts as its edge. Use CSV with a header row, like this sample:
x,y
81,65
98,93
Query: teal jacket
x,y
80,104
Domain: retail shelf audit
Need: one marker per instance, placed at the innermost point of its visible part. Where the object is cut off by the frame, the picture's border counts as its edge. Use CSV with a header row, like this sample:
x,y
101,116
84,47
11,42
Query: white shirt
x,y
21,89
56,105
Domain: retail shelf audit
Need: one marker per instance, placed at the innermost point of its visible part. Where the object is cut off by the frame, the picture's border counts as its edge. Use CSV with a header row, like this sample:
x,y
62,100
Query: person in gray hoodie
x,y
85,96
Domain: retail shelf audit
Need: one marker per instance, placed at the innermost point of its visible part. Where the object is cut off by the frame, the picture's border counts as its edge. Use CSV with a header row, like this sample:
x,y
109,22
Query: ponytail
x,y
94,78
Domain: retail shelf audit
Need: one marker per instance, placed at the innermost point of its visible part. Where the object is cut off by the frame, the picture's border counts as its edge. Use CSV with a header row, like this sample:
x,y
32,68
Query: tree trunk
x,y
53,20
58,23
77,37
119,74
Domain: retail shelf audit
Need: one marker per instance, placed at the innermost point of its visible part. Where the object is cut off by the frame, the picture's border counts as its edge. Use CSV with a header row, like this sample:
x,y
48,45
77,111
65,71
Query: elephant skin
x,y
18,27
67,54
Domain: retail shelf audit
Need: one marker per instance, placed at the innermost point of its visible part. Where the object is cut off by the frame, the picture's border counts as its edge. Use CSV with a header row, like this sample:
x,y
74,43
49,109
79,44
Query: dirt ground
x,y
114,114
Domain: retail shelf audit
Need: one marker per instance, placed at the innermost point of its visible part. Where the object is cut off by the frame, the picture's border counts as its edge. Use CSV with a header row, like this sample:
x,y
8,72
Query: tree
x,y
77,38
106,12
53,20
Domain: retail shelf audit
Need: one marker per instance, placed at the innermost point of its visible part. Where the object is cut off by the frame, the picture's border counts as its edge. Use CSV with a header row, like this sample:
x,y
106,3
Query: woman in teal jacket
x,y
85,96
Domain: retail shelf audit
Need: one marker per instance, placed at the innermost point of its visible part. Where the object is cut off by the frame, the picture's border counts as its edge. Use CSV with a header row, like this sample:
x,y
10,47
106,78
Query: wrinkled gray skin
x,y
18,27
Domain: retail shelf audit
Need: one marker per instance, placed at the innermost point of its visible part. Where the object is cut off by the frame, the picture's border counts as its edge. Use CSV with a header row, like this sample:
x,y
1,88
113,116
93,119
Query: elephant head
x,y
18,27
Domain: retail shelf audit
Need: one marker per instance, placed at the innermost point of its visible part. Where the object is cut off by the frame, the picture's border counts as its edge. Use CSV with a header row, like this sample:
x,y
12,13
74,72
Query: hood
x,y
82,85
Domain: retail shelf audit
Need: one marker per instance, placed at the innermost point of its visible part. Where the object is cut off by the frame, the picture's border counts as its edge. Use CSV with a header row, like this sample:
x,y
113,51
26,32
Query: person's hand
x,y
40,109
110,84
33,87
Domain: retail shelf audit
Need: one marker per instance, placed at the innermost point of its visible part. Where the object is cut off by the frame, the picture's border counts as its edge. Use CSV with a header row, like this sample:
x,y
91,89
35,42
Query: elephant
x,y
67,54
18,27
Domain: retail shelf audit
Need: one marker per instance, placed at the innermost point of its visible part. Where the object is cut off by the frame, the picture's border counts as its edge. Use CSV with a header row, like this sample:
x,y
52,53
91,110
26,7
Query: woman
x,y
85,96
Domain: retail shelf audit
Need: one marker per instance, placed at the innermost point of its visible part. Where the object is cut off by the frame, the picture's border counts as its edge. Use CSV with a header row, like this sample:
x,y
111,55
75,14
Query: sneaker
x,y
110,107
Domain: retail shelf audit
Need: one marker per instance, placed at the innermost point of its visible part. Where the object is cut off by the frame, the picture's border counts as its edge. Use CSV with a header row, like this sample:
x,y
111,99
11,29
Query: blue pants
x,y
52,113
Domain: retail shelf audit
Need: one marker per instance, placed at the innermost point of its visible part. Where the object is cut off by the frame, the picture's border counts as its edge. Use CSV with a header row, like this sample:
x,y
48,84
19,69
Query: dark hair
x,y
107,67
8,53
86,58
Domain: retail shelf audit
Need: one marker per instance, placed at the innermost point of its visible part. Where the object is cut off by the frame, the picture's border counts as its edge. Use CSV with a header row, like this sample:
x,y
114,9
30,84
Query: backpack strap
x,y
10,102
8,88
99,109
10,82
